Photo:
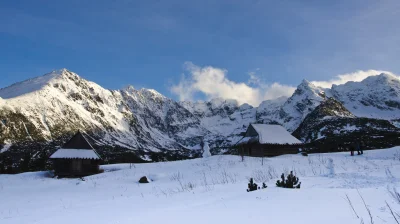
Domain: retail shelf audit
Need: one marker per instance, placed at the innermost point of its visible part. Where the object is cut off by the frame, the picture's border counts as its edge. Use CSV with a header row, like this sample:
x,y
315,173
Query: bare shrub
x,y
395,194
176,176
397,155
231,163
322,159
204,182
189,186
260,175
351,205
366,207
296,171
203,164
227,178
224,178
264,175
285,170
391,211
310,160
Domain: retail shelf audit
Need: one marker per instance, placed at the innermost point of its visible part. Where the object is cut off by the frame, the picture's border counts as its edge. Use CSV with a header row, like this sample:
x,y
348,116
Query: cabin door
x,y
76,166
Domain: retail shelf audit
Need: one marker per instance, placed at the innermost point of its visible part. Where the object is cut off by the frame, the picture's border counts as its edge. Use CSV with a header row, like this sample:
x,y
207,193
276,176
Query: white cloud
x,y
355,76
213,83
276,90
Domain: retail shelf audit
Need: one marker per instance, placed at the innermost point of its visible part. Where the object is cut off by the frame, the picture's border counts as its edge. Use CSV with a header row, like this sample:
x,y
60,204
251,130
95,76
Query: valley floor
x,y
212,190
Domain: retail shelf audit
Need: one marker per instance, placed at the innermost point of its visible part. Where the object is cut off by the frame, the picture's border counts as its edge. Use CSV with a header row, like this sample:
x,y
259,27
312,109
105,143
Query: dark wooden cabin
x,y
268,140
76,158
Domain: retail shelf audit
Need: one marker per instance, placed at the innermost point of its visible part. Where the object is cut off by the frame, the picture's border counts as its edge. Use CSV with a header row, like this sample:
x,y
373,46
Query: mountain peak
x,y
151,92
387,77
60,71
129,88
381,79
306,85
219,102
36,84
305,82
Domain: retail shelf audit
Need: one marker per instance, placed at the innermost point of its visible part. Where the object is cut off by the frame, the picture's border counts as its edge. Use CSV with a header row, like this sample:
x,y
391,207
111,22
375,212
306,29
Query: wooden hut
x,y
268,140
76,158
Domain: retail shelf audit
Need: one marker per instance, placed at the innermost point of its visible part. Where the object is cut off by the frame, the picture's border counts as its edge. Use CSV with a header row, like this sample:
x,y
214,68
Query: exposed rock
x,y
144,180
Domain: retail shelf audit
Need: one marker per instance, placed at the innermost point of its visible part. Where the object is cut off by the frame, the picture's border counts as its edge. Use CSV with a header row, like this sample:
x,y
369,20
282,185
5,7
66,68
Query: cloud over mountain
x,y
214,82
357,76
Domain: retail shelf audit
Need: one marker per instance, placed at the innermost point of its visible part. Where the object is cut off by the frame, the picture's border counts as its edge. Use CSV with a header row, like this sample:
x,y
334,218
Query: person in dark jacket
x,y
351,147
362,146
357,146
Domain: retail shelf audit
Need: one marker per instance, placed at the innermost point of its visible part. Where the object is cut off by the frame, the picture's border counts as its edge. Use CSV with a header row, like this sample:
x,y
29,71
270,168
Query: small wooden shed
x,y
268,140
76,158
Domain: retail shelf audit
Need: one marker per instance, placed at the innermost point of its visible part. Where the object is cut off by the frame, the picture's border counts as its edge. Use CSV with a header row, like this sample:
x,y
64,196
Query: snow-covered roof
x,y
75,154
273,134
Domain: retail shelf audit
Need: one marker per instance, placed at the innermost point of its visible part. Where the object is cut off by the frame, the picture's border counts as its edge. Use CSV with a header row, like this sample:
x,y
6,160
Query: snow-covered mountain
x,y
303,101
225,119
332,120
374,97
61,102
268,111
50,108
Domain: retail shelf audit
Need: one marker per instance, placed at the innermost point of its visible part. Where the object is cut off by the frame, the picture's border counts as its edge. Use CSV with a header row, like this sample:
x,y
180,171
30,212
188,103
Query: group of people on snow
x,y
358,146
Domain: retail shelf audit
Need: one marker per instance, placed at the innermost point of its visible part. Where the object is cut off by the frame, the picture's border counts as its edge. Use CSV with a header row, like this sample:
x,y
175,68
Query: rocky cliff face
x,y
332,120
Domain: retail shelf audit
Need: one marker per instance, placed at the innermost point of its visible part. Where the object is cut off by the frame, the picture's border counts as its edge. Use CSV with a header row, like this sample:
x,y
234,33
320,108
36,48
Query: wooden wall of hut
x,y
76,167
267,150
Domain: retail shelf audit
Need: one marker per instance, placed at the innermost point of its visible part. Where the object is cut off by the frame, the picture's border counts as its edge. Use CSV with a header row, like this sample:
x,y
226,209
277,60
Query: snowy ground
x,y
212,190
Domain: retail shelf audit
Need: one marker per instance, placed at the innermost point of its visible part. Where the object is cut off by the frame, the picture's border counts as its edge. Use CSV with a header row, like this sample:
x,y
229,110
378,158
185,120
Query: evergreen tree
x,y
264,186
291,181
252,186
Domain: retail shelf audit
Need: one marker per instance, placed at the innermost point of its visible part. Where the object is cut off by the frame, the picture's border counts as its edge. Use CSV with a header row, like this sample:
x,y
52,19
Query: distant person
x,y
357,146
351,147
362,146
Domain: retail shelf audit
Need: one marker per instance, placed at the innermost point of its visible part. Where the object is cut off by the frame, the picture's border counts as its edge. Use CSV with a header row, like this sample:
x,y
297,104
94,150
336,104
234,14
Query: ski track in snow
x,y
211,190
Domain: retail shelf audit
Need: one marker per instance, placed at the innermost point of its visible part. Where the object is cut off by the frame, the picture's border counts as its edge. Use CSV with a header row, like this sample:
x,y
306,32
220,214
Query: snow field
x,y
212,190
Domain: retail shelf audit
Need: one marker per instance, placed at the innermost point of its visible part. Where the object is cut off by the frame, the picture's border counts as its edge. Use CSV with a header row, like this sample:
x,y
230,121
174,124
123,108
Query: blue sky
x,y
151,43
